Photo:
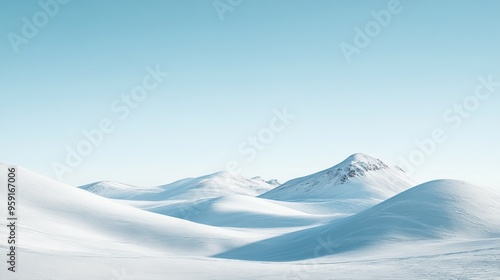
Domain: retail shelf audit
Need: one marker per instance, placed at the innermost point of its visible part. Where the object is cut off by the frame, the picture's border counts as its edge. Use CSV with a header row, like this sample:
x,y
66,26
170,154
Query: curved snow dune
x,y
438,210
57,217
357,177
239,211
209,186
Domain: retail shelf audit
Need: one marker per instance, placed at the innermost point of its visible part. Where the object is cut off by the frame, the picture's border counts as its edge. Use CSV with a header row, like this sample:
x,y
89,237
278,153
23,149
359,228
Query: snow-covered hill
x,y
438,210
209,186
358,177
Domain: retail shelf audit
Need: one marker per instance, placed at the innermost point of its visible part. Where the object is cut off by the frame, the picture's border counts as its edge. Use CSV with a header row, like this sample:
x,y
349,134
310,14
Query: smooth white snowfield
x,y
439,230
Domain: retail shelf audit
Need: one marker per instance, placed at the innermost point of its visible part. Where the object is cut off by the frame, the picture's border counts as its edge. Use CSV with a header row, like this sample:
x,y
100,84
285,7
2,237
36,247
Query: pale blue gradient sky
x,y
226,77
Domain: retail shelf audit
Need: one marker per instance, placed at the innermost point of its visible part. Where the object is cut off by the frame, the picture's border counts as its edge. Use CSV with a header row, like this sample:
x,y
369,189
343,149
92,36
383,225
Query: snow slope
x,y
55,217
239,211
357,177
437,210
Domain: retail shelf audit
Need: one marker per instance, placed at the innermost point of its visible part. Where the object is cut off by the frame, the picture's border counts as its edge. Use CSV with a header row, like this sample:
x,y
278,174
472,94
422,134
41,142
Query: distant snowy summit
x,y
358,176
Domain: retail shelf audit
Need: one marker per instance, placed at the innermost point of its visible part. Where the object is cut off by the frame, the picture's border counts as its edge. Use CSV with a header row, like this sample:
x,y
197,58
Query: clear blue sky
x,y
227,77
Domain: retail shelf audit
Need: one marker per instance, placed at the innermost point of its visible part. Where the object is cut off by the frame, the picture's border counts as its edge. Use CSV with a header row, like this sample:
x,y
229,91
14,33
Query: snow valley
x,y
361,219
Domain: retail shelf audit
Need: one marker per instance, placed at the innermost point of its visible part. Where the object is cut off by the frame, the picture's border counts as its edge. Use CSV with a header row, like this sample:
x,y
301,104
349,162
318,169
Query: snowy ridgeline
x,y
361,212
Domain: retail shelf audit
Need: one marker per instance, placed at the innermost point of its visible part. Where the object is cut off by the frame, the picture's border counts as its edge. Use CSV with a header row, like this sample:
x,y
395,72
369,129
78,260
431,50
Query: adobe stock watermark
x,y
258,142
453,117
121,108
223,6
31,26
373,28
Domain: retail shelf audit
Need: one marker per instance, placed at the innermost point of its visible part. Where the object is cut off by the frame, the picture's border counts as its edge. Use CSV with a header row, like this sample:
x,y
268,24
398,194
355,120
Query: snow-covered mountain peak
x,y
358,176
356,165
360,158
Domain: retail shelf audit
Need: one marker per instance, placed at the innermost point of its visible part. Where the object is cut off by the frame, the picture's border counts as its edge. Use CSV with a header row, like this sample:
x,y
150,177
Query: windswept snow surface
x,y
369,224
